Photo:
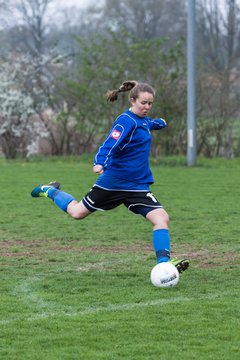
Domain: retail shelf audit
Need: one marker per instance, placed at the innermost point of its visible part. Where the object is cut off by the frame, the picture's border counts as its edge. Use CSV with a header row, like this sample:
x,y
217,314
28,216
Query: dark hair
x,y
130,85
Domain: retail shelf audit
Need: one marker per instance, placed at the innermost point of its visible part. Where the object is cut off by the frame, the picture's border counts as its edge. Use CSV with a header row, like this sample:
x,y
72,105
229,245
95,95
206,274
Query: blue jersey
x,y
124,154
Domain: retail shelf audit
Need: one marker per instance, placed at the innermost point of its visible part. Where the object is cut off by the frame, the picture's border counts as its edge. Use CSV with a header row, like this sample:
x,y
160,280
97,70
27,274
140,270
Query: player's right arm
x,y
119,131
98,169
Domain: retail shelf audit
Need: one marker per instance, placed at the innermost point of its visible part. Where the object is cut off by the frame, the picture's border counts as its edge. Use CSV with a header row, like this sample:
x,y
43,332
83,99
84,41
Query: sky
x,y
54,12
78,3
58,5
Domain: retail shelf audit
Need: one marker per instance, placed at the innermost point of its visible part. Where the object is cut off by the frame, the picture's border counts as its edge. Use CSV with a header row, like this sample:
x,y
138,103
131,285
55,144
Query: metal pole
x,y
191,90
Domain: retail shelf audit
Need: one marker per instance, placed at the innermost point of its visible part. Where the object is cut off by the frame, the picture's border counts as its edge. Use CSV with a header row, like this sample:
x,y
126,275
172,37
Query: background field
x,y
81,289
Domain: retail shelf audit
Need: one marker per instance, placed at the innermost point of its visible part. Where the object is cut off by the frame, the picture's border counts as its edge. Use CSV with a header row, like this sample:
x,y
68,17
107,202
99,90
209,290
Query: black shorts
x,y
139,202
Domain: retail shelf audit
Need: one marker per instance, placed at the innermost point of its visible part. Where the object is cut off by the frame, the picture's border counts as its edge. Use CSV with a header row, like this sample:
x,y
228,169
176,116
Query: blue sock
x,y
161,245
60,198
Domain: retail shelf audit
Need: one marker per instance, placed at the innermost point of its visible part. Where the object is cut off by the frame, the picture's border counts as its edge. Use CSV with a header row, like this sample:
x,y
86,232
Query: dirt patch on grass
x,y
211,257
18,249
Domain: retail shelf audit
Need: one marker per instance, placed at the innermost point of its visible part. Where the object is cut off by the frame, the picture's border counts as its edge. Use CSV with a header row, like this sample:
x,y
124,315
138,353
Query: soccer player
x,y
122,163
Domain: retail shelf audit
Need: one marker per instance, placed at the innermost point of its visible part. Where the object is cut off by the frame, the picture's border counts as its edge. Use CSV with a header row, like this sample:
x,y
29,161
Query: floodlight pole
x,y
191,87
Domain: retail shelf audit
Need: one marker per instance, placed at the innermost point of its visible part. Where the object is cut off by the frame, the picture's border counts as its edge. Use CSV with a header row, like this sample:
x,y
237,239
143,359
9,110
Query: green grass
x,y
81,289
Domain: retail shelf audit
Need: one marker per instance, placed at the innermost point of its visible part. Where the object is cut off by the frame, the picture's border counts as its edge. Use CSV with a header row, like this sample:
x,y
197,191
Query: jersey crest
x,y
116,134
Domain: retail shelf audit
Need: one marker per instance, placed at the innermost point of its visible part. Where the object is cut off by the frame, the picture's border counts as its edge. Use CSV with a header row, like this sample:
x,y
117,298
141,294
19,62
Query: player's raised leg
x,y
63,200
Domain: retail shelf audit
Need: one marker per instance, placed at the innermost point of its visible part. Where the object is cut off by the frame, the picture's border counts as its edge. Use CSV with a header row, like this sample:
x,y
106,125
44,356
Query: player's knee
x,y
159,218
76,214
165,218
162,221
77,211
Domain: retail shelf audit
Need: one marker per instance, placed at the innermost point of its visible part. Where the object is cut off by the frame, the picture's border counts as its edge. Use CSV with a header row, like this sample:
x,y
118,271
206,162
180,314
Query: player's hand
x,y
98,169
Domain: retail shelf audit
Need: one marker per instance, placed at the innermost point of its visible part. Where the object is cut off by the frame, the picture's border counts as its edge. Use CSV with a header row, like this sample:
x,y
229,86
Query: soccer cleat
x,y
42,190
180,264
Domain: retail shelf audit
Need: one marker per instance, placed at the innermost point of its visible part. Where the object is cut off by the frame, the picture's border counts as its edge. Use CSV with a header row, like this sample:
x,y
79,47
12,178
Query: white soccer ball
x,y
164,275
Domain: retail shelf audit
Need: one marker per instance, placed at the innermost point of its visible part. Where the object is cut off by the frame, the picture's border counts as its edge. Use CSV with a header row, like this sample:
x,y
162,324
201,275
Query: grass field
x,y
81,289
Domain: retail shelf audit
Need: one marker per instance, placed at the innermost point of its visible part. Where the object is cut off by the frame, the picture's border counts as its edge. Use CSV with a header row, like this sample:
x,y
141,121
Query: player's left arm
x,y
157,124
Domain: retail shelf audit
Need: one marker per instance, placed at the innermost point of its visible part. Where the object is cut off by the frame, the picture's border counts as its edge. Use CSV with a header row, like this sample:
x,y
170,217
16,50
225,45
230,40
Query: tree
x,y
21,77
37,71
16,110
147,19
32,16
4,10
218,85
104,62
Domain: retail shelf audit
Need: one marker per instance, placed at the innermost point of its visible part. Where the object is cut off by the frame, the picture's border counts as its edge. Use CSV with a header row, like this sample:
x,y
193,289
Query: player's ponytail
x,y
130,85
112,95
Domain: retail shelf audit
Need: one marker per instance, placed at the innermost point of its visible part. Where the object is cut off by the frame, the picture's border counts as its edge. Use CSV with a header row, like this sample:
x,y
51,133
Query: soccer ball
x,y
164,275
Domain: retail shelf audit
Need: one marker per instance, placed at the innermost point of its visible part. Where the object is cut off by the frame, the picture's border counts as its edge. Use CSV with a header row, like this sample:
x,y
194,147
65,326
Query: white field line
x,y
111,308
